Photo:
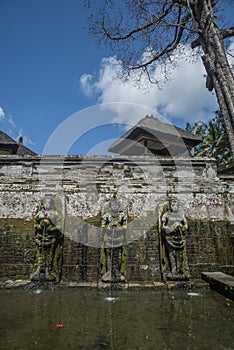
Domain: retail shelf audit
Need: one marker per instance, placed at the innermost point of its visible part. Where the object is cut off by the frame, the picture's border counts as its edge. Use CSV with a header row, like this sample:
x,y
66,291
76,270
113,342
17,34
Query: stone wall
x,y
82,188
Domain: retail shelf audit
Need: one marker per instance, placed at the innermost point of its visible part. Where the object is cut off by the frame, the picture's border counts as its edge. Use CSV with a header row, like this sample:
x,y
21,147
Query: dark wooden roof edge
x,y
153,123
165,129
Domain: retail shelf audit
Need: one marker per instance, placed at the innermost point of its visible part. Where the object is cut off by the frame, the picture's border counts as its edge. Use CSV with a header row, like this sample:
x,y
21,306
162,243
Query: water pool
x,y
131,320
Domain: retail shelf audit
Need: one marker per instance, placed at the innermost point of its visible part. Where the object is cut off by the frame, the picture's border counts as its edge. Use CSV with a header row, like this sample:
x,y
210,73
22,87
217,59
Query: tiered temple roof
x,y
151,136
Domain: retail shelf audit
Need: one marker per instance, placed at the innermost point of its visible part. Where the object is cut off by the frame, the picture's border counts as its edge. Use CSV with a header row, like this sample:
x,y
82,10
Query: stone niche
x,y
83,188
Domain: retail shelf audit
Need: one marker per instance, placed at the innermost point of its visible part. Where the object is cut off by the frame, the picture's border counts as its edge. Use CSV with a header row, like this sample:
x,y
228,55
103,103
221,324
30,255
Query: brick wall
x,y
83,186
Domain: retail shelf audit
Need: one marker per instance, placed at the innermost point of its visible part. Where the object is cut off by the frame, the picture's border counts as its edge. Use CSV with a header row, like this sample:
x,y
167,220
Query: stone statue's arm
x,y
55,222
184,224
168,227
105,219
122,219
165,227
38,242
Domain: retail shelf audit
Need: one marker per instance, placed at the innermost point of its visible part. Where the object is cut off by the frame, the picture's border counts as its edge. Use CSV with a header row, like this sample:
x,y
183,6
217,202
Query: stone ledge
x,y
138,285
114,286
220,282
14,284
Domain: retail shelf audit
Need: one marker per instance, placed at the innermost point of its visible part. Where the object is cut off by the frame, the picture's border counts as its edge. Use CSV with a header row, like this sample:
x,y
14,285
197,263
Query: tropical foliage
x,y
143,33
215,142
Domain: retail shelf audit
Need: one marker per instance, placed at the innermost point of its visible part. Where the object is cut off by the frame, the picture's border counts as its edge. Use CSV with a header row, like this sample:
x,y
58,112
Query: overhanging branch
x,y
139,29
169,48
227,33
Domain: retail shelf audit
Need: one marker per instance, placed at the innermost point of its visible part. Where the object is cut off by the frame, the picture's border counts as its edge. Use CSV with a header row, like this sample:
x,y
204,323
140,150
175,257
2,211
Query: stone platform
x,y
220,282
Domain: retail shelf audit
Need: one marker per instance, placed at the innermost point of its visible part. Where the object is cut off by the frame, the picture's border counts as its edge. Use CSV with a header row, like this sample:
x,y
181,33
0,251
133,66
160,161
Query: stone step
x,y
220,282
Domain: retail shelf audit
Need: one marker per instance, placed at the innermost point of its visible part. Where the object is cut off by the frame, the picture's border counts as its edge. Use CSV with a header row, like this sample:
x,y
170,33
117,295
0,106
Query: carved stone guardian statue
x,y
113,249
48,238
173,226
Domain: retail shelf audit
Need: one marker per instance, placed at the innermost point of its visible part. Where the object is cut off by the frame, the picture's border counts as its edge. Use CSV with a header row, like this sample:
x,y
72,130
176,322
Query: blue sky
x,y
50,70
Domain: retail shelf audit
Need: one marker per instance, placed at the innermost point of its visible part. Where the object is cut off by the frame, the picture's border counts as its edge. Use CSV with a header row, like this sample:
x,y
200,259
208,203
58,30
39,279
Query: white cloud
x,y
2,113
86,84
183,97
11,121
26,139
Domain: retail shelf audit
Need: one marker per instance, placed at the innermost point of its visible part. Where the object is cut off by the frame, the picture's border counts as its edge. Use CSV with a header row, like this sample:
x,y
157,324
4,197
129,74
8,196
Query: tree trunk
x,y
219,74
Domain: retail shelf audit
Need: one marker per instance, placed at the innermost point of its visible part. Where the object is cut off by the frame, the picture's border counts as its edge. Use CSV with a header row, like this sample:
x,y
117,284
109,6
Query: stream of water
x,y
131,320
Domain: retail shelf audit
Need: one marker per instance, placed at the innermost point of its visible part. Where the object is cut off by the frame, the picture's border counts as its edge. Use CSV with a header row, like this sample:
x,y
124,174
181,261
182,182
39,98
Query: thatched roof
x,y
155,136
10,146
6,139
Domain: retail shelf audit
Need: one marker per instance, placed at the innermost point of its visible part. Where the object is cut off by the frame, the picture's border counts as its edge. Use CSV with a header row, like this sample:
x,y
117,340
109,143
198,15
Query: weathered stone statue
x,y
48,237
114,250
173,226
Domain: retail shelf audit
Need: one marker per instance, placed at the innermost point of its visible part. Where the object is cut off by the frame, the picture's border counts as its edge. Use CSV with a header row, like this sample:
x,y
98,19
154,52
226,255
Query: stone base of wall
x,y
209,248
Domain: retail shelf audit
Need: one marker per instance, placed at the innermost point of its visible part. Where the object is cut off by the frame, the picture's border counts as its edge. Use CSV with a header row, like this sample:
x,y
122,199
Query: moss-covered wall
x,y
17,248
84,187
209,248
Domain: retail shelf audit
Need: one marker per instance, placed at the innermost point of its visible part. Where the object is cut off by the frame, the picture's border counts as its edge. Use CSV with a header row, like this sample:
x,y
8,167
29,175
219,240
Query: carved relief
x,y
113,248
49,239
173,226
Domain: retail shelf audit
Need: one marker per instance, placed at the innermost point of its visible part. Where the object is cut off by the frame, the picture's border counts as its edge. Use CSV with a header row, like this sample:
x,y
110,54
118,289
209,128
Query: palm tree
x,y
215,139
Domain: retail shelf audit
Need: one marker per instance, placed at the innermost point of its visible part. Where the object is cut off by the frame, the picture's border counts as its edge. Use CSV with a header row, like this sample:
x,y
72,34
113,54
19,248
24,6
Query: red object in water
x,y
59,325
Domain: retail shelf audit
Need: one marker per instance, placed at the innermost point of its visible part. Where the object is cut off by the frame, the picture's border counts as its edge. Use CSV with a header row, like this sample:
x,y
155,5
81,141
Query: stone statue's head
x,y
40,206
49,202
39,212
114,204
173,203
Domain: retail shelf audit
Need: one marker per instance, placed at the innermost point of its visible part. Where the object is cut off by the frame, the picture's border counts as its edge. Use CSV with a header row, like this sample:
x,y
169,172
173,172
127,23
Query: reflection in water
x,y
134,320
